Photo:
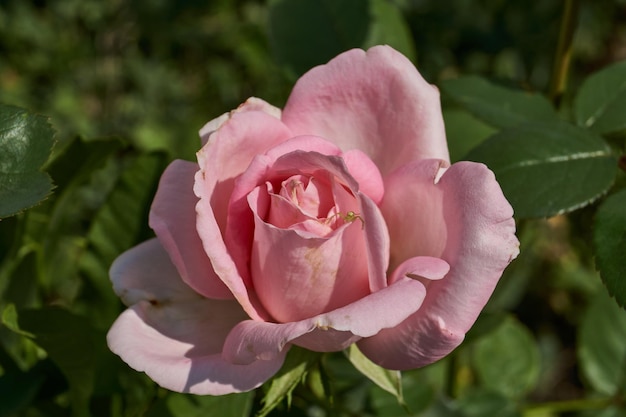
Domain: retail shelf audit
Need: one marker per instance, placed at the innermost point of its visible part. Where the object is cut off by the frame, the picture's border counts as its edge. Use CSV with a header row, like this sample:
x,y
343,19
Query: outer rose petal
x,y
173,218
175,335
251,340
251,104
464,216
373,101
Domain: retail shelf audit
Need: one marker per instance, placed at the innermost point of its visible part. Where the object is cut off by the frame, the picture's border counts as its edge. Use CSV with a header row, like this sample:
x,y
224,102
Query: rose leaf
x,y
601,101
26,142
548,168
496,105
609,241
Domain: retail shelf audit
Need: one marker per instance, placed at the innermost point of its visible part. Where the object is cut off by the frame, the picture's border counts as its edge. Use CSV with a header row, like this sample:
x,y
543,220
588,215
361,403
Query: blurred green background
x,y
128,84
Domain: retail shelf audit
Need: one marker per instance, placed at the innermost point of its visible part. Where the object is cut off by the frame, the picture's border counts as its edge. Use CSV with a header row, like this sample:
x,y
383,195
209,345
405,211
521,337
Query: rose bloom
x,y
337,220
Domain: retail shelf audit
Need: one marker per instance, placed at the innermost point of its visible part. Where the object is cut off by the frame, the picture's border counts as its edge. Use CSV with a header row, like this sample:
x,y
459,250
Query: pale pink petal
x,y
252,340
262,169
251,104
366,173
173,218
173,334
229,152
377,241
296,277
373,101
465,220
226,156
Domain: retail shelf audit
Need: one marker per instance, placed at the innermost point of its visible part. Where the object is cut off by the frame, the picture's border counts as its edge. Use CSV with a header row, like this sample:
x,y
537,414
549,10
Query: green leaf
x,y
121,222
10,320
388,27
507,360
498,106
481,403
390,381
26,142
182,405
293,372
609,239
305,33
419,394
547,168
601,347
72,344
600,104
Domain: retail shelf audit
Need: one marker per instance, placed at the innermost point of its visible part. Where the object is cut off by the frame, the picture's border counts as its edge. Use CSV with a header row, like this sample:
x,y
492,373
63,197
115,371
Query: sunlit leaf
x,y
498,106
507,360
293,372
609,238
26,141
601,347
600,104
548,168
390,381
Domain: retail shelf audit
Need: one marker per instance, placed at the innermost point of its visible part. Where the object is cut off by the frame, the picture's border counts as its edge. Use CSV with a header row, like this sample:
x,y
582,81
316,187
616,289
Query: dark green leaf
x,y
601,347
600,104
486,403
121,222
507,359
305,33
609,238
26,141
388,27
72,344
548,168
419,395
182,405
293,372
498,106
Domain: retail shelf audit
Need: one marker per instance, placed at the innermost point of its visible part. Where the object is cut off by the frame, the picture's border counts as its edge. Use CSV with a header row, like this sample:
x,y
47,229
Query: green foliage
x,y
601,100
328,27
507,360
602,350
127,85
389,381
548,168
26,141
498,106
294,371
610,244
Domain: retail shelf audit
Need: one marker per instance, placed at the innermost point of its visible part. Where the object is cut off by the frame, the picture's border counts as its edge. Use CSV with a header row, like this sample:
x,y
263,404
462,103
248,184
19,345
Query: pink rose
x,y
336,221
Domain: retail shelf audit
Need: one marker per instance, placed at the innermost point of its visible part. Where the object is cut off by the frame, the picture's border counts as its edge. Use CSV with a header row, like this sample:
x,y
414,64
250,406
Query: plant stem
x,y
562,57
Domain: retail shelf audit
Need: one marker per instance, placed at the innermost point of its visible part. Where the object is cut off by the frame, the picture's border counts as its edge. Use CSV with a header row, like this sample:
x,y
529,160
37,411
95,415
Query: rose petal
x,y
366,173
377,242
464,216
172,333
262,169
251,340
228,153
373,101
172,217
297,276
251,104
